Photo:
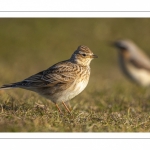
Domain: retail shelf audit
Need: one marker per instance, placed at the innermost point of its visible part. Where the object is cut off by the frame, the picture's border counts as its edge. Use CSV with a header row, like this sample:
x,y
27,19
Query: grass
x,y
110,103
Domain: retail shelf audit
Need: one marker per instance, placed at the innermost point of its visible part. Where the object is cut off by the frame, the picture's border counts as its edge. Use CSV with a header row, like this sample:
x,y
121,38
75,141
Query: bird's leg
x,y
66,107
69,106
58,108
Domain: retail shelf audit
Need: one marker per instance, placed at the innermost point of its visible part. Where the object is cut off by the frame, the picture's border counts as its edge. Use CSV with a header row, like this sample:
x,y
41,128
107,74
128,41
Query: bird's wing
x,y
61,73
140,62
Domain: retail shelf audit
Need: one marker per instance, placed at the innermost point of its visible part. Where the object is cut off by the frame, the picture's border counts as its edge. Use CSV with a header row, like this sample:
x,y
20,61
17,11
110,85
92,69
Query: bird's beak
x,y
94,56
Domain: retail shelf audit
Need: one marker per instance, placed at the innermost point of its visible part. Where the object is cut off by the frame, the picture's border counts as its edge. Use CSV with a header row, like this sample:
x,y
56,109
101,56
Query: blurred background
x,y
31,45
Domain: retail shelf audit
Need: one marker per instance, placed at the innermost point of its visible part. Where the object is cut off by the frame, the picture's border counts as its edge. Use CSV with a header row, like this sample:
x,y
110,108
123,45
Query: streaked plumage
x,y
62,81
133,62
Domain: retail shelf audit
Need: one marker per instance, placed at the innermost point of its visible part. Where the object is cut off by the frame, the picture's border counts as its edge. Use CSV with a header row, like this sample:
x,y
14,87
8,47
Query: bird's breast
x,y
76,88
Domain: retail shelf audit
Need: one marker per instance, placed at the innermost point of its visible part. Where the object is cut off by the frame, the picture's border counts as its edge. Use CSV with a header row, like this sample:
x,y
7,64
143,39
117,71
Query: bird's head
x,y
126,47
83,56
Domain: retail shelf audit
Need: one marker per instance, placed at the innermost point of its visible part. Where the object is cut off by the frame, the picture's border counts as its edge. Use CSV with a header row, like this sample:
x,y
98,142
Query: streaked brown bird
x,y
62,81
133,62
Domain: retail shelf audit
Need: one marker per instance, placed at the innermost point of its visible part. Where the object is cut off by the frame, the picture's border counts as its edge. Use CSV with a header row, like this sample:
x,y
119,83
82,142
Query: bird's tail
x,y
8,86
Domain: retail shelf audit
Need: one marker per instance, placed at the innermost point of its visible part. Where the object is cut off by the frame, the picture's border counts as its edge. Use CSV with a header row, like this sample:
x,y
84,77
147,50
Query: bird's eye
x,y
84,55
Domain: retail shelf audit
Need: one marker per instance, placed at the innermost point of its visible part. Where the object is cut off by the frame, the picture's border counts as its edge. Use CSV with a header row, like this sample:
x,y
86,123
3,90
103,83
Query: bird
x,y
134,63
62,81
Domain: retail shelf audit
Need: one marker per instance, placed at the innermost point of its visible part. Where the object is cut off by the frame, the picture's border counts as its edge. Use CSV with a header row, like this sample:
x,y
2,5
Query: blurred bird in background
x,y
133,62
